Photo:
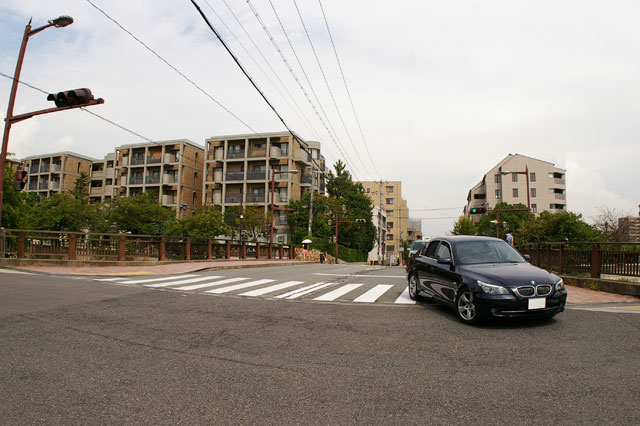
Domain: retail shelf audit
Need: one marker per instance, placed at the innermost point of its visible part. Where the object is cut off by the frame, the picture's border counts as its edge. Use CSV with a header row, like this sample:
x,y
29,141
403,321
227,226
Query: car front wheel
x,y
413,287
467,312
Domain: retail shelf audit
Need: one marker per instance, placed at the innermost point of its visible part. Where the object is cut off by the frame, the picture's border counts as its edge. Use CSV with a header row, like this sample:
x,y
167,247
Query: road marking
x,y
359,275
276,287
148,280
110,279
189,281
373,294
405,299
311,287
238,286
11,271
340,291
211,283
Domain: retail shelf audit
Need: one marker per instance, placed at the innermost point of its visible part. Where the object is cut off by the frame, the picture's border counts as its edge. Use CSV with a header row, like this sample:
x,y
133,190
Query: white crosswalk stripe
x,y
340,291
374,294
405,299
187,281
324,291
150,280
272,288
239,286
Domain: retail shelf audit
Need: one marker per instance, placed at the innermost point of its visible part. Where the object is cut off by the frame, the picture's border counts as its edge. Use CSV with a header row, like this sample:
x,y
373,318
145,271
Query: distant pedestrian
x,y
509,238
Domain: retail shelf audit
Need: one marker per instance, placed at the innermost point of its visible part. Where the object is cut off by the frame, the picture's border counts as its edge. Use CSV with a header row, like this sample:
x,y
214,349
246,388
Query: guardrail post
x,y
563,259
72,246
163,249
292,252
257,250
595,261
549,266
122,248
21,245
228,251
281,252
187,249
538,250
209,250
244,250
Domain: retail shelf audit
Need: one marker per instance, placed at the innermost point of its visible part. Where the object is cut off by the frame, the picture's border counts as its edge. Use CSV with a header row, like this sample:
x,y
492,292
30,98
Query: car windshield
x,y
474,252
417,245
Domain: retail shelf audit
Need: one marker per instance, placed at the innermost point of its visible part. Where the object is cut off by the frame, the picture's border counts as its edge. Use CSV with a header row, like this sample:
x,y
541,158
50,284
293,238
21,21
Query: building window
x,y
389,200
498,178
368,190
533,192
534,208
515,192
498,194
389,188
390,225
514,177
532,176
389,213
389,237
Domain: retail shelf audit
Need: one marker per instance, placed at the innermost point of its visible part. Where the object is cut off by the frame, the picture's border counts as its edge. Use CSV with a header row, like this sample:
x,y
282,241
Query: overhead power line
x,y
326,81
171,66
346,86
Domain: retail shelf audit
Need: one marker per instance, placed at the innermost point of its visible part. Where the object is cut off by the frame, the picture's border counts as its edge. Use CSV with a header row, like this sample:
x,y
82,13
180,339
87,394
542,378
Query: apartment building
x,y
630,227
103,178
379,220
57,172
172,170
238,172
414,230
519,179
388,196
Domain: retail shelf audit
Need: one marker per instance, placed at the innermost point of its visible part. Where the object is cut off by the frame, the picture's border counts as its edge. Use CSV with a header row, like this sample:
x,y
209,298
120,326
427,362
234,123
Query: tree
x,y
80,189
253,222
507,220
556,227
60,212
464,226
206,223
12,218
140,214
232,219
606,221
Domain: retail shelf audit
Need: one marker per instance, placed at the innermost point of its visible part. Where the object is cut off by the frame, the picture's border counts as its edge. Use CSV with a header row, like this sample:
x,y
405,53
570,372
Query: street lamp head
x,y
61,21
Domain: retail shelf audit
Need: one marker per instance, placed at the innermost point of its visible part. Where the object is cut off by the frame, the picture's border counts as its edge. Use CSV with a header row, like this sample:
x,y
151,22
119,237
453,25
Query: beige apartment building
x,y
172,170
388,196
520,179
238,173
51,173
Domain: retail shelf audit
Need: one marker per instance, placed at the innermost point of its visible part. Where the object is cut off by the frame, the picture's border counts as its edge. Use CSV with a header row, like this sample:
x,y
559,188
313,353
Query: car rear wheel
x,y
413,287
467,312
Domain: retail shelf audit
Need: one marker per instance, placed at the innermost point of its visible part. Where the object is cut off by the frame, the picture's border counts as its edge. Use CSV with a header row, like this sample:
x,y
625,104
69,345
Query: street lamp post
x,y
59,22
273,202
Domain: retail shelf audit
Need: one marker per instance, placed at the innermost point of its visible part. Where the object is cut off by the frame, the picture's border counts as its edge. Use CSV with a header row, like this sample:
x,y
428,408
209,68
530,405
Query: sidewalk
x,y
159,269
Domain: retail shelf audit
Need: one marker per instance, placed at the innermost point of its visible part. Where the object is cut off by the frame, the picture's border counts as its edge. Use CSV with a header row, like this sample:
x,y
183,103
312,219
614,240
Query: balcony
x,y
137,160
152,180
135,180
54,185
33,185
44,168
168,200
154,159
256,175
44,185
255,198
34,168
561,197
96,190
234,176
55,167
170,158
258,152
233,198
168,179
306,179
235,154
559,181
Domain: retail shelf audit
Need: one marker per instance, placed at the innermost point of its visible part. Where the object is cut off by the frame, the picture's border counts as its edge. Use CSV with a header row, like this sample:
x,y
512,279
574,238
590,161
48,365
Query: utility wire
x,y
171,66
347,89
324,76
299,112
85,110
295,77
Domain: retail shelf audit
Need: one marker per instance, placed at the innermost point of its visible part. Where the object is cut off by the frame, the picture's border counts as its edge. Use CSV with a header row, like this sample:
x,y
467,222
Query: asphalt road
x,y
76,350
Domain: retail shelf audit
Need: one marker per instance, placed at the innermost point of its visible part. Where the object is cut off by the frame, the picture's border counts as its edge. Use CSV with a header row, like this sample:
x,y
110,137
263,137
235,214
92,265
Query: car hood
x,y
508,274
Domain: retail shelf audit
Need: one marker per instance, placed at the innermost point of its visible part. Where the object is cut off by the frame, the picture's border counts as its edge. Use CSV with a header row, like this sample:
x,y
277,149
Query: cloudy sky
x,y
443,90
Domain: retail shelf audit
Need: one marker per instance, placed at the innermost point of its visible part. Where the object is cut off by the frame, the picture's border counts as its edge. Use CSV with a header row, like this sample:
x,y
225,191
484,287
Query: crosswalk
x,y
317,291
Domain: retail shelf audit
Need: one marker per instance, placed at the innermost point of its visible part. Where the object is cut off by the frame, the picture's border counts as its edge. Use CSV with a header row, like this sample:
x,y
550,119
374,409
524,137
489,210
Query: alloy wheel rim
x,y
466,308
413,286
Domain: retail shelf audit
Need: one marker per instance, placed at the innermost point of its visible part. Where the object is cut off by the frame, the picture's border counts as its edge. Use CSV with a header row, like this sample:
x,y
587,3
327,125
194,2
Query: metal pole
x,y
273,188
311,202
380,253
336,236
526,172
7,120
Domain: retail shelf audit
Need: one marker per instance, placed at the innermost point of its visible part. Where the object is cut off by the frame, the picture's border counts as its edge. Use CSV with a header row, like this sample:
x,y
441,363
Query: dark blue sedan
x,y
483,277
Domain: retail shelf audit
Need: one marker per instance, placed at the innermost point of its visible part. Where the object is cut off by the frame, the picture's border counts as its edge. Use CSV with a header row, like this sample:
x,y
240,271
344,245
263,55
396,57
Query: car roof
x,y
459,238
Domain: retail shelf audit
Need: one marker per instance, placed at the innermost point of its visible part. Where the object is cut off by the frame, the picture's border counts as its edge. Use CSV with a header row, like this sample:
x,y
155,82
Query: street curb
x,y
609,286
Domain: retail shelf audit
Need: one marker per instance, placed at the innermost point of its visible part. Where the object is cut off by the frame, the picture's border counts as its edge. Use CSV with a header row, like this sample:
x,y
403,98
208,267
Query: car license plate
x,y
537,303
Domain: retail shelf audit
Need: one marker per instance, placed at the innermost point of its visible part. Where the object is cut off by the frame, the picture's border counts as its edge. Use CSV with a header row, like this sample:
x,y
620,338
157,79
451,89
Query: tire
x,y
413,287
465,308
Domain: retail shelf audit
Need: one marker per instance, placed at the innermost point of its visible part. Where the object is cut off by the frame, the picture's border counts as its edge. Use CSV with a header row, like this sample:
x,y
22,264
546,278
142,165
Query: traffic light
x,y
478,210
21,180
71,98
361,221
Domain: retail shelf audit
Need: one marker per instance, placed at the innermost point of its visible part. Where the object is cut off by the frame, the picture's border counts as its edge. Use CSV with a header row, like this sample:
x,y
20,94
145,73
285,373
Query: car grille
x,y
530,291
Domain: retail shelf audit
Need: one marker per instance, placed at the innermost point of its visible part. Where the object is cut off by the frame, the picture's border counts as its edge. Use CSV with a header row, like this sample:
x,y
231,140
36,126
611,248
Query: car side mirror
x,y
445,261
527,258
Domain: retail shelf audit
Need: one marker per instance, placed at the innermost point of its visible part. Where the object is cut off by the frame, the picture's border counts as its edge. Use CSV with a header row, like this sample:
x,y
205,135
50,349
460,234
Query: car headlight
x,y
492,289
560,285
